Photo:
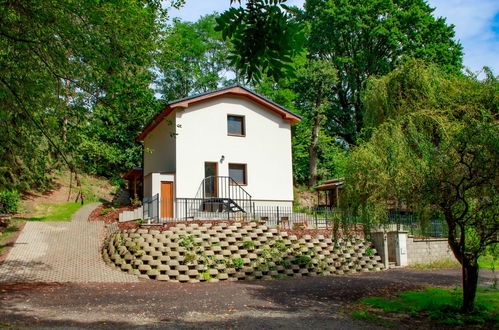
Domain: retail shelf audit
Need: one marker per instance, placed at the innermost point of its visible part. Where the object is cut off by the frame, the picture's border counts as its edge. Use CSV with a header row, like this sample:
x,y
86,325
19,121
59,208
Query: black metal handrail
x,y
226,189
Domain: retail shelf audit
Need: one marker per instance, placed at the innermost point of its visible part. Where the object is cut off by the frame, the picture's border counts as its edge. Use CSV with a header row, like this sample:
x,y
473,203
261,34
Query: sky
x,y
476,25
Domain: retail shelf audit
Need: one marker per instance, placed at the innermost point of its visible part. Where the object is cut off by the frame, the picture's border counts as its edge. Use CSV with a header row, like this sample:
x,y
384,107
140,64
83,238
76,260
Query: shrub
x,y
238,262
9,201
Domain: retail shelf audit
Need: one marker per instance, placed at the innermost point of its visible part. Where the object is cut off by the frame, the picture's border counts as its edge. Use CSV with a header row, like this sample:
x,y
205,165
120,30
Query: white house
x,y
224,150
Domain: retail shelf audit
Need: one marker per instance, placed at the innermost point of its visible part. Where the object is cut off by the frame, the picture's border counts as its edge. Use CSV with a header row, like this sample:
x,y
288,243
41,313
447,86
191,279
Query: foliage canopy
x,y
434,147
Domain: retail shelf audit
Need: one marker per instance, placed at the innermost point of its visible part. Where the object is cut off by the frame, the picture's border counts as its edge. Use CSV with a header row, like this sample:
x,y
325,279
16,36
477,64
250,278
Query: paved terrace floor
x,y
61,252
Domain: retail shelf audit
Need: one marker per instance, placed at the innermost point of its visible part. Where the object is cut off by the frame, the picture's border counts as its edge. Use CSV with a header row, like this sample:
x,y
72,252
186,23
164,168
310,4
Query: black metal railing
x,y
215,208
414,224
223,190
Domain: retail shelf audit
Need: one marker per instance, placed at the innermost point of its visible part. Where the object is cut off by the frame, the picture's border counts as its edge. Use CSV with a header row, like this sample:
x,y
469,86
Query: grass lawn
x,y
485,261
433,304
53,211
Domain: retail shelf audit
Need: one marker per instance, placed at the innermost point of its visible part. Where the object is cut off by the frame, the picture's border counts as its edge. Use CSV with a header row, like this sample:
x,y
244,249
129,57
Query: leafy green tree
x,y
71,76
313,86
359,38
265,36
433,146
367,38
193,59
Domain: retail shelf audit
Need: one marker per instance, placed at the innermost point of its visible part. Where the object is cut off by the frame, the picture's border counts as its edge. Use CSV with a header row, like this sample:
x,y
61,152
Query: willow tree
x,y
433,144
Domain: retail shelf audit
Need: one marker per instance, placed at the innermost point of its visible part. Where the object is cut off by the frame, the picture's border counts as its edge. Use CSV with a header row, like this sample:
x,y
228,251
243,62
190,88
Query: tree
x,y
313,86
367,38
193,59
359,38
264,36
70,73
433,146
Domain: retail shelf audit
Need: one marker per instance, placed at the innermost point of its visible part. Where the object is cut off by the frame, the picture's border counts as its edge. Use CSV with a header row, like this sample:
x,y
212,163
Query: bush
x,y
9,201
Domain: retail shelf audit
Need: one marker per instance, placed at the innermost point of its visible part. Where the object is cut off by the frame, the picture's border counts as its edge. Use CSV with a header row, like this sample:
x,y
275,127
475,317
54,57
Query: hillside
x,y
93,188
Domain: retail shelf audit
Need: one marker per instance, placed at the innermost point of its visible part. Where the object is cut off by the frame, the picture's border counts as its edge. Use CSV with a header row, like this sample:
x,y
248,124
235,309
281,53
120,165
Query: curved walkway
x,y
61,252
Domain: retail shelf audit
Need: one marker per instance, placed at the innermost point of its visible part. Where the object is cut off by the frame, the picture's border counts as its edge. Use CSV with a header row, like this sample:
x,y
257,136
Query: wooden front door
x,y
166,199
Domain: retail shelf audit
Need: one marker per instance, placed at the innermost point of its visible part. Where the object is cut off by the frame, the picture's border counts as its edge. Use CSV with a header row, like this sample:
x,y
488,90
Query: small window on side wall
x,y
235,125
238,173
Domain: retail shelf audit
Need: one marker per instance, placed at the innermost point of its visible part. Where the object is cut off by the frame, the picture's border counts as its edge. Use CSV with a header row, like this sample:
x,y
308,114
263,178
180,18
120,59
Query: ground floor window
x,y
238,173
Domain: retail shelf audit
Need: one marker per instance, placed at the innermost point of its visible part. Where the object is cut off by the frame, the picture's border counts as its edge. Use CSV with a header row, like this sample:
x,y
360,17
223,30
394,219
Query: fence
x,y
435,226
188,209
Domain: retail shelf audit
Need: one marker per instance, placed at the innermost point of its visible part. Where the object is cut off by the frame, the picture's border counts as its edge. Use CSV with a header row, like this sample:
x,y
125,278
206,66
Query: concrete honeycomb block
x,y
218,257
233,248
216,248
147,249
154,263
252,256
144,268
230,271
192,273
174,254
225,253
212,272
183,278
182,268
163,278
126,267
222,276
146,237
172,272
163,268
153,272
142,231
146,258
292,238
155,254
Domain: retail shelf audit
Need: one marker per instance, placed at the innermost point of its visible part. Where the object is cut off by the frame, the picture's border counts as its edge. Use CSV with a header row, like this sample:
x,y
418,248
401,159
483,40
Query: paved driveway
x,y
60,252
295,303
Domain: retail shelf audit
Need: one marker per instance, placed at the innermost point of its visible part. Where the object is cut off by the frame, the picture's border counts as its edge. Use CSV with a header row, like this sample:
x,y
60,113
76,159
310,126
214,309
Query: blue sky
x,y
476,25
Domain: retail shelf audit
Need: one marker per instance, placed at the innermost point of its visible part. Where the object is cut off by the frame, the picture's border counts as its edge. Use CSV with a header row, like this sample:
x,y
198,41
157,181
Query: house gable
x,y
235,91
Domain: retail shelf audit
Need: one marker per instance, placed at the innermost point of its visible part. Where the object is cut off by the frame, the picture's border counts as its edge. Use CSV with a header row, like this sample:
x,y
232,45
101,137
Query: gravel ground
x,y
303,303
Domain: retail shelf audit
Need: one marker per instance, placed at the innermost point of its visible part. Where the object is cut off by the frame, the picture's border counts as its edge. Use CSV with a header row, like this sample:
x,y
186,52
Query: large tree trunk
x,y
469,265
312,151
470,281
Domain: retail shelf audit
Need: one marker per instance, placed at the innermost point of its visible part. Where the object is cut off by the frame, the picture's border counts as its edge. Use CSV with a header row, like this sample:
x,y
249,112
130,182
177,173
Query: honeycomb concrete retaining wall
x,y
241,251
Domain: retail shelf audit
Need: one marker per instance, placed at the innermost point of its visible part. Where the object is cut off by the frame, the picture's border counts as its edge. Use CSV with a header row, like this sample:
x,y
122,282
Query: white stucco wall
x,y
159,148
266,148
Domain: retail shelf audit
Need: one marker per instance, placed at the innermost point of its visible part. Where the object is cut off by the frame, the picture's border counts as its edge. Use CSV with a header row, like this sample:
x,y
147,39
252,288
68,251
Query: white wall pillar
x,y
401,250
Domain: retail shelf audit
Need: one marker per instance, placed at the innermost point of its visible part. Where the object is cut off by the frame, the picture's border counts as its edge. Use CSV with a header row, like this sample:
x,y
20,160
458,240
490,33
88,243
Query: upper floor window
x,y
235,125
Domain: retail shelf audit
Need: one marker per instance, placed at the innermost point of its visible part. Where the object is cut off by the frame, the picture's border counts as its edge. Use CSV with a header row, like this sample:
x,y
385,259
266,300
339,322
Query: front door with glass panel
x,y
210,182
